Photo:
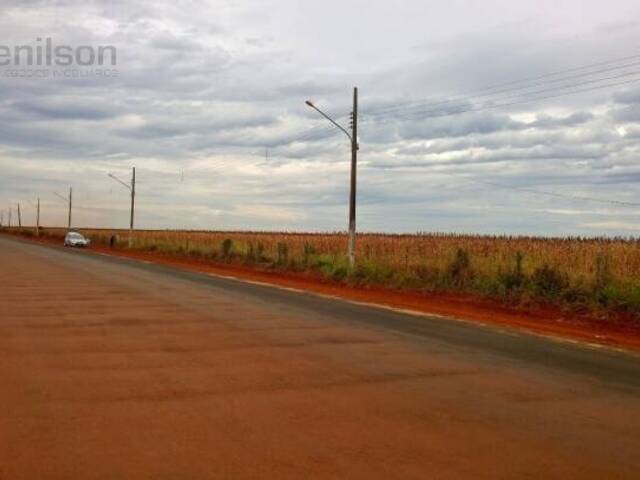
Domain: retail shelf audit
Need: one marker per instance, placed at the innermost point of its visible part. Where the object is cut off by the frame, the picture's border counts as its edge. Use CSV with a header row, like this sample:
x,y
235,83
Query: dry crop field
x,y
596,273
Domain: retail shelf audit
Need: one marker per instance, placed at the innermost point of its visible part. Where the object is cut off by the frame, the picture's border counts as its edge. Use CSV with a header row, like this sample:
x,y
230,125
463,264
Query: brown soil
x,y
618,330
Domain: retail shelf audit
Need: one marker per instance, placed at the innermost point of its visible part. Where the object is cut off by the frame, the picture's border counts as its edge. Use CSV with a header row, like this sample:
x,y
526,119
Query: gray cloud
x,y
66,109
209,105
628,97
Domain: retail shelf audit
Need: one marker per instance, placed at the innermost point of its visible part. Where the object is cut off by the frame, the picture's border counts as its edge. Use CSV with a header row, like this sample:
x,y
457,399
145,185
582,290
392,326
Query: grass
x,y
599,274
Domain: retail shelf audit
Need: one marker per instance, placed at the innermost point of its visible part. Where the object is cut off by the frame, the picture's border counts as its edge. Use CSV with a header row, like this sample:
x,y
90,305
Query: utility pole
x,y
133,203
19,217
69,201
353,138
38,218
354,170
132,188
9,217
70,206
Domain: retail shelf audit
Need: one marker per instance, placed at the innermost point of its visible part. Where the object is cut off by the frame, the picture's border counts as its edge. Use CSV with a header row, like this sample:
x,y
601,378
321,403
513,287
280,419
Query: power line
x,y
376,115
441,113
536,191
556,194
468,94
552,89
553,93
312,132
321,132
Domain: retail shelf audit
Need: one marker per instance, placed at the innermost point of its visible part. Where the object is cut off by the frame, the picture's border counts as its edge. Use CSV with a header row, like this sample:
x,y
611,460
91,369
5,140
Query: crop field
x,y
598,274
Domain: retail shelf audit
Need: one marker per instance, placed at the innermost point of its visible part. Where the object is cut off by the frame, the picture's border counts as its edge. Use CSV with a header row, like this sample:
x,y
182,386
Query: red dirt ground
x,y
109,372
618,331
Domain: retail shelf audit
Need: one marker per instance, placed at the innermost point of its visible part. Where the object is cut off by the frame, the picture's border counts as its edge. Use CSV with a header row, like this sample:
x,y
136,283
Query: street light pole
x,y
38,218
133,200
132,189
354,169
37,206
353,139
70,206
69,201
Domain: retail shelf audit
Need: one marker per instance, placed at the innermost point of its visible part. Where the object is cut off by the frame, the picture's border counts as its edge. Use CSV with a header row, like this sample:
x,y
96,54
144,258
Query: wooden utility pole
x,y
9,225
133,202
19,217
38,218
70,207
354,169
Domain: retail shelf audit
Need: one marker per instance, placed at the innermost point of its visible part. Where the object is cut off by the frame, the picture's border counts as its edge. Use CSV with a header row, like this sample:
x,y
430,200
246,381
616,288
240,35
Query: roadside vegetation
x,y
596,275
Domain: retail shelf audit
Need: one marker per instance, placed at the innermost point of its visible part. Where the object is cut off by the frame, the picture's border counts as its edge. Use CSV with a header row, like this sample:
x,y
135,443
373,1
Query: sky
x,y
206,100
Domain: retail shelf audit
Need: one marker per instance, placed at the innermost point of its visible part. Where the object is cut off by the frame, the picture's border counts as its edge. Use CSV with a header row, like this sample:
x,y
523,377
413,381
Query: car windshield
x,y
76,236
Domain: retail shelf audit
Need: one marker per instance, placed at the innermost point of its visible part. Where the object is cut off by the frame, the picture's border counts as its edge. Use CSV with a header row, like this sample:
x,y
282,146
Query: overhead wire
x,y
536,191
530,82
441,113
556,194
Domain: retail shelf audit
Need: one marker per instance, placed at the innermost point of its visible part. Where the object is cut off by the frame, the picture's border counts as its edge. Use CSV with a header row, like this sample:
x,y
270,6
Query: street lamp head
x,y
308,102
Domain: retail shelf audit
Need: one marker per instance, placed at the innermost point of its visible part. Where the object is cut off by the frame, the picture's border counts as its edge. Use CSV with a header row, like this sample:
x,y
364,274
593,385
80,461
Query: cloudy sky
x,y
208,104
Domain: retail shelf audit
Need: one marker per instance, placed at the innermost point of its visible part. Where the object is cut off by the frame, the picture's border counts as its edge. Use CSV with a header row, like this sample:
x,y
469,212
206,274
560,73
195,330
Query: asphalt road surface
x,y
113,369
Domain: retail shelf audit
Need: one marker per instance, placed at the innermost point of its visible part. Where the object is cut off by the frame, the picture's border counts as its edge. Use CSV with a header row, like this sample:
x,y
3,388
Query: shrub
x,y
309,251
513,279
260,256
336,268
322,262
371,272
626,297
227,246
460,268
548,282
283,254
340,272
250,256
427,274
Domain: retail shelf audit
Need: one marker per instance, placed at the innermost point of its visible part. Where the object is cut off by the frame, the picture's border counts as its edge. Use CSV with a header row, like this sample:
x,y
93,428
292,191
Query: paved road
x,y
111,369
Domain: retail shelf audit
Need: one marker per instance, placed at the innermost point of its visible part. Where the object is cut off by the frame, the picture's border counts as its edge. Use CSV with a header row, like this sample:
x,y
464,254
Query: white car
x,y
75,239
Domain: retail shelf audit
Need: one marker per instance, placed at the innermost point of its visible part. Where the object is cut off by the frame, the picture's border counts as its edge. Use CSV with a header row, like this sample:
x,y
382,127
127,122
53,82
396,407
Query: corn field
x,y
596,272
